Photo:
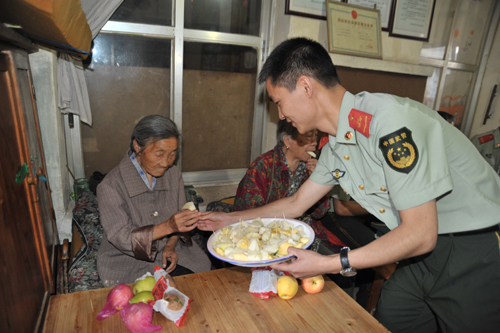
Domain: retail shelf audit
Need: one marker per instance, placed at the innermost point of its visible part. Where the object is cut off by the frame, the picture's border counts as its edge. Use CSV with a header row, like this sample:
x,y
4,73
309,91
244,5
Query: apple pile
x,y
288,286
133,305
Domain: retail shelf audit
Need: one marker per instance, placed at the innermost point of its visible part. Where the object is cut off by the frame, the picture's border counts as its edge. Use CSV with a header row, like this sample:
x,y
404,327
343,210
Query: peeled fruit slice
x,y
304,240
283,250
143,297
146,284
287,287
189,206
240,256
313,155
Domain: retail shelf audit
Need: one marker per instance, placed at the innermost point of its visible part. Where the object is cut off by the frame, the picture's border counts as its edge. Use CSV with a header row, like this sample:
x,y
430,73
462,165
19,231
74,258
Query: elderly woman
x,y
140,204
280,172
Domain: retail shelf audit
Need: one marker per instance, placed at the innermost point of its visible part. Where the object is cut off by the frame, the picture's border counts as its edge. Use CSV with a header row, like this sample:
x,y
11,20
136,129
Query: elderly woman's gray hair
x,y
153,128
285,128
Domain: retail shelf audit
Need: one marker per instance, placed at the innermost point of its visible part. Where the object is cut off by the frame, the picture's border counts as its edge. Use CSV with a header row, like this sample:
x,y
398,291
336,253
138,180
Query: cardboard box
x,y
53,21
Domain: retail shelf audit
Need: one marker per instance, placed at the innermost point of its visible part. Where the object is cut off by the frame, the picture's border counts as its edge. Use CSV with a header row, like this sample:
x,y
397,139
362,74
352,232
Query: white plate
x,y
307,229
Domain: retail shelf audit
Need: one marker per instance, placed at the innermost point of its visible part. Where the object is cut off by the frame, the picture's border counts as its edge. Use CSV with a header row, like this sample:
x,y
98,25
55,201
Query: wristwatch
x,y
347,270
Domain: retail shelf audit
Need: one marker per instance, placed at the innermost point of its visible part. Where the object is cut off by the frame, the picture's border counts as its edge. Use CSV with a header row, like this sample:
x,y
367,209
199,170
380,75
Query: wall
x,y
398,56
491,77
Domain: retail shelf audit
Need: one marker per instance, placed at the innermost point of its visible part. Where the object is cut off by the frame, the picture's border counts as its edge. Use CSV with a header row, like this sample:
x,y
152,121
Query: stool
x,y
382,273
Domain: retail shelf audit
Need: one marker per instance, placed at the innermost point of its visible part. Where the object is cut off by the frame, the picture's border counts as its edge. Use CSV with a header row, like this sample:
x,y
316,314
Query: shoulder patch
x,y
323,141
399,149
486,138
360,121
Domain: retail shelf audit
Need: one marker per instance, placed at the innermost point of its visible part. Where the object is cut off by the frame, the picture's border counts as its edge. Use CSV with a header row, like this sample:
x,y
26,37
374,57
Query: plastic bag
x,y
264,282
170,302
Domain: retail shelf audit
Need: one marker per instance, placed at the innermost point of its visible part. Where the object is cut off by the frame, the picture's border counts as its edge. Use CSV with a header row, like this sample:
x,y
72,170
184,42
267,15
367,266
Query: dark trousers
x,y
180,270
455,288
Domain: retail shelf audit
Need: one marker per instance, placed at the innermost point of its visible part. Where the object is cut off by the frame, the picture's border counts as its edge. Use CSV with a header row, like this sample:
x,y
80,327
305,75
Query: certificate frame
x,y
416,28
353,30
306,8
385,7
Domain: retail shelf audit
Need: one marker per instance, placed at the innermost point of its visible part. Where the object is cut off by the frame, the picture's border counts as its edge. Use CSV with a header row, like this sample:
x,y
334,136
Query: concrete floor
x,y
215,193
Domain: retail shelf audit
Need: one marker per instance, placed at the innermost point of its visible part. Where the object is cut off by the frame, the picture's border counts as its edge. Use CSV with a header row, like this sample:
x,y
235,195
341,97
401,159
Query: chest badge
x,y
338,174
399,149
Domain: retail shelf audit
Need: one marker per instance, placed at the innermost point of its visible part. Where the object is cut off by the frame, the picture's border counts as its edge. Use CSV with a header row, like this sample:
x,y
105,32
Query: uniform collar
x,y
133,181
345,133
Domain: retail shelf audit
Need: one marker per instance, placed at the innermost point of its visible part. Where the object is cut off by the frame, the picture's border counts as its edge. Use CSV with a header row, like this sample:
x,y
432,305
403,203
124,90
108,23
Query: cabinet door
x,y
27,240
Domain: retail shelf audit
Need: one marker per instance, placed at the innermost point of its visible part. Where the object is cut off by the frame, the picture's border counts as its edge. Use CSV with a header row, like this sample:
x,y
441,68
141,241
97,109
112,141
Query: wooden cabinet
x,y
28,236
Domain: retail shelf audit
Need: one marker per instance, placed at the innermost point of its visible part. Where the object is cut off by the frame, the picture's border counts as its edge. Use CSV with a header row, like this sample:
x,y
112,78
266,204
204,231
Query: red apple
x,y
313,285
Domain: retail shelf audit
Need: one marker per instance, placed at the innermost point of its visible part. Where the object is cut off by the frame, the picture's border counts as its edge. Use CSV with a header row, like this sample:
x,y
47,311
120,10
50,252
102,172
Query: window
x,y
191,60
455,48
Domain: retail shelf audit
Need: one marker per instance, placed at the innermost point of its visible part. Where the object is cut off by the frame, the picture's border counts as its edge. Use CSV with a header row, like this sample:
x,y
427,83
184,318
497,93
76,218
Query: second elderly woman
x,y
140,204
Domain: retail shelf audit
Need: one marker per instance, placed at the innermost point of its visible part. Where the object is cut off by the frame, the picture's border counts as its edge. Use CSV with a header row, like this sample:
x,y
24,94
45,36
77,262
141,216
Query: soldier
x,y
488,145
411,169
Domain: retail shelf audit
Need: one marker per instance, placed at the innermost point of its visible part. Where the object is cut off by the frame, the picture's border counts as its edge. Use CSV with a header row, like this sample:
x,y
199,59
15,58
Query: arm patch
x,y
399,149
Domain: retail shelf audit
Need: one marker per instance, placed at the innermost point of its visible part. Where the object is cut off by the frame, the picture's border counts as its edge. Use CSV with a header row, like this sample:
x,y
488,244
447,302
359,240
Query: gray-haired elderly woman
x,y
140,204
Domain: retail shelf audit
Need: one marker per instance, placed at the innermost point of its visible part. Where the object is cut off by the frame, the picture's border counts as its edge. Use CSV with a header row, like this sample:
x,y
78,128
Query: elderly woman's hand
x,y
311,164
183,221
169,255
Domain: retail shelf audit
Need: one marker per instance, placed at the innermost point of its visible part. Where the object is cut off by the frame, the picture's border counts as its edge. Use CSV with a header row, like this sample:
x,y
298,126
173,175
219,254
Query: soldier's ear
x,y
304,82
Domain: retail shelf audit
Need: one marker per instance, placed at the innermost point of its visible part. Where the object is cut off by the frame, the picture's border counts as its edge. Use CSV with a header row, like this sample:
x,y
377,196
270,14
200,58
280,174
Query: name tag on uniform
x,y
338,174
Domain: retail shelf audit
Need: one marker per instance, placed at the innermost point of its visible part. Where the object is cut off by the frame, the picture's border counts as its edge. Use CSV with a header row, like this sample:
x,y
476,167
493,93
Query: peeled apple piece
x,y
117,299
313,155
137,318
189,206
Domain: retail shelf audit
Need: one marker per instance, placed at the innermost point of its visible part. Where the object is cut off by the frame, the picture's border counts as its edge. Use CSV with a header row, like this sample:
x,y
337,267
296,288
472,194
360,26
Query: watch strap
x,y
344,261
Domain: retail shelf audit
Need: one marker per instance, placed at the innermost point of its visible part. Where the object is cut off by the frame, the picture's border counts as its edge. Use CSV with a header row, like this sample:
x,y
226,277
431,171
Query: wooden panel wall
x,y
403,85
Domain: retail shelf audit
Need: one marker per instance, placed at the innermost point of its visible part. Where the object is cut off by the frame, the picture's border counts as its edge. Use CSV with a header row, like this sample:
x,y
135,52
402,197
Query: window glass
x,y
144,11
231,16
455,94
128,78
440,30
217,106
468,29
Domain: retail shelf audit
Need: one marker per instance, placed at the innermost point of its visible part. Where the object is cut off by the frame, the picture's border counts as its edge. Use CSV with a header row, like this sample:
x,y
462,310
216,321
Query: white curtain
x,y
73,94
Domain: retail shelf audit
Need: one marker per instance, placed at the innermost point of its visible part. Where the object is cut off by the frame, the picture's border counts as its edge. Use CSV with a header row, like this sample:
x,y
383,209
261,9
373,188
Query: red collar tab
x,y
323,141
360,121
486,138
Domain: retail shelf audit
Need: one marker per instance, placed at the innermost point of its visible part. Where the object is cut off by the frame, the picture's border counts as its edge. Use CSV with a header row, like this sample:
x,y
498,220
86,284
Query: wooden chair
x,y
382,273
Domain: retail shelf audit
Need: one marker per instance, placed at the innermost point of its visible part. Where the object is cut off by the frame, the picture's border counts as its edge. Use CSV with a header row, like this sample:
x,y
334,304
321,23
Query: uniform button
x,y
346,157
361,187
382,210
383,189
155,214
348,136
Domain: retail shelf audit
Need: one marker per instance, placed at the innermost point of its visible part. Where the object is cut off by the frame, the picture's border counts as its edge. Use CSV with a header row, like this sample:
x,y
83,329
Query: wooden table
x,y
222,303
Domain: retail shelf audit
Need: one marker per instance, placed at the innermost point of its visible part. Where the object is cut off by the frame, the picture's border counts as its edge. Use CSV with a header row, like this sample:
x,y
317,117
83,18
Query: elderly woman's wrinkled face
x,y
304,143
157,157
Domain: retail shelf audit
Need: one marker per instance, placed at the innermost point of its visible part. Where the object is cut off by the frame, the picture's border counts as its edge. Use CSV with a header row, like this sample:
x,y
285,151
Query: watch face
x,y
348,273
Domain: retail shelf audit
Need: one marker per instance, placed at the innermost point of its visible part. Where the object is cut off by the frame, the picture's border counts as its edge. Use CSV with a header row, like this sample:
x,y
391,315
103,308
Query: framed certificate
x,y
307,8
384,6
412,19
353,30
